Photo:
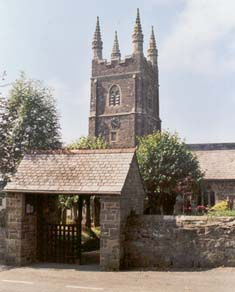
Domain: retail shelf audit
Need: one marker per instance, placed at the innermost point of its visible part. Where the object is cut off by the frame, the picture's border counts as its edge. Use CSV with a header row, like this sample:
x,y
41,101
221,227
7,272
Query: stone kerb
x,y
180,241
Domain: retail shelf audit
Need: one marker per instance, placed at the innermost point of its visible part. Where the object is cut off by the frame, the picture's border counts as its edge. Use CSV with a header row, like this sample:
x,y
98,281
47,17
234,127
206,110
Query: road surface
x,y
67,278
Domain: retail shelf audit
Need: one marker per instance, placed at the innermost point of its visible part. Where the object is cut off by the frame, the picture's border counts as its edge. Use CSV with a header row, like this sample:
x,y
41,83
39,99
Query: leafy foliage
x,y
68,202
29,121
223,213
88,143
6,149
167,166
221,206
221,209
2,104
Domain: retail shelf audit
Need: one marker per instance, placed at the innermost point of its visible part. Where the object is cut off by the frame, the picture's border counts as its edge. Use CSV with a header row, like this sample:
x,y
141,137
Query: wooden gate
x,y
60,243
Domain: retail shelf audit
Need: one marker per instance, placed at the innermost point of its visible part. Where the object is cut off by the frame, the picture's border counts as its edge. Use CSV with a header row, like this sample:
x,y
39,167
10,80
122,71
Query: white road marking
x,y
87,288
18,282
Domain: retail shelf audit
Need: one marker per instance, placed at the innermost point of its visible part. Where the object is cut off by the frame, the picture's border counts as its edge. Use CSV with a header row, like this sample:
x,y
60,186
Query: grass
x,y
221,210
86,235
222,213
90,241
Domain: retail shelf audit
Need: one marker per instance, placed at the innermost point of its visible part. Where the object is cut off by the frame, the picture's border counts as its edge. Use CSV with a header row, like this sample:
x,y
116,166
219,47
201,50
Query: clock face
x,y
115,123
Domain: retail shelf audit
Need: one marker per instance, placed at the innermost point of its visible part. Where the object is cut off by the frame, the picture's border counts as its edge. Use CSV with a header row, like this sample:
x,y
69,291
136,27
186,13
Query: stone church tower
x,y
124,92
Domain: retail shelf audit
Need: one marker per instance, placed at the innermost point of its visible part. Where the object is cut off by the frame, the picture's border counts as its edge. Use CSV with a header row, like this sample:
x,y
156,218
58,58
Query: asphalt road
x,y
58,278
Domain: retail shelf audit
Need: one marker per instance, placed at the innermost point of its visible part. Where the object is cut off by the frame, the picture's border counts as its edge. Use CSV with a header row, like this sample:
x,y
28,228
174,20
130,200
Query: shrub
x,y
222,206
221,209
202,209
223,213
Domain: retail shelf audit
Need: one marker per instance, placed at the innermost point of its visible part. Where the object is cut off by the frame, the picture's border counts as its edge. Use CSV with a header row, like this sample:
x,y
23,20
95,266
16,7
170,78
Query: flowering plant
x,y
202,209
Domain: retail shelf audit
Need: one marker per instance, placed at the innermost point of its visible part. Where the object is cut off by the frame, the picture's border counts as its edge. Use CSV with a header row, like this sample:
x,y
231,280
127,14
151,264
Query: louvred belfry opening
x,y
125,87
114,96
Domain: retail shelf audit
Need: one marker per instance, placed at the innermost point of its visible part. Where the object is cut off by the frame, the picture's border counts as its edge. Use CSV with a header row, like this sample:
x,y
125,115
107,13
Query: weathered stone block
x,y
181,241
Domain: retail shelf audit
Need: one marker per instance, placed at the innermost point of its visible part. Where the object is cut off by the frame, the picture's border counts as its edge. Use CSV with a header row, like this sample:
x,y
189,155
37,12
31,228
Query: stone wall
x,y
21,232
179,242
132,202
223,189
138,111
2,203
2,235
114,213
110,233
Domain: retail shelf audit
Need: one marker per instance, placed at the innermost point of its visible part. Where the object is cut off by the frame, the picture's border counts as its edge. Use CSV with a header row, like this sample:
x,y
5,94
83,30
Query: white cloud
x,y
202,39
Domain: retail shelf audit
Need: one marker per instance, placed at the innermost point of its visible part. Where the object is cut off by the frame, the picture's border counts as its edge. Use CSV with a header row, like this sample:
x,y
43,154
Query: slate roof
x,y
217,164
79,171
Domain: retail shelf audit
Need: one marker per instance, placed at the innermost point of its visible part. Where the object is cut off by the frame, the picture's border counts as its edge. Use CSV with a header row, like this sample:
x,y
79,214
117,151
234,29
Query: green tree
x,y
168,168
6,164
2,104
29,121
88,143
70,202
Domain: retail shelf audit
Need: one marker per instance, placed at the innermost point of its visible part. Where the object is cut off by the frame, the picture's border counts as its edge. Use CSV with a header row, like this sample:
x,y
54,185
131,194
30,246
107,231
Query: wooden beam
x,y
80,206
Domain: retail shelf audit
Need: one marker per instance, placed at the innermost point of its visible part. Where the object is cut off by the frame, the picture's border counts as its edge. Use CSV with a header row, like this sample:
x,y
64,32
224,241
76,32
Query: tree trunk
x,y
59,219
64,215
96,212
168,203
88,213
79,226
80,206
74,213
154,204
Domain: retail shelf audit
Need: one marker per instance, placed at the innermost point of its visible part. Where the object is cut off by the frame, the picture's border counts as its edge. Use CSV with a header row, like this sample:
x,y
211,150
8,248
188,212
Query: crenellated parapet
x,y
137,46
124,91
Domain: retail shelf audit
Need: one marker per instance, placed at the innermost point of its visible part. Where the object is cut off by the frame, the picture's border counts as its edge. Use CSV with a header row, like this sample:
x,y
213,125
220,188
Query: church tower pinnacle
x,y
97,44
152,51
137,36
116,51
124,101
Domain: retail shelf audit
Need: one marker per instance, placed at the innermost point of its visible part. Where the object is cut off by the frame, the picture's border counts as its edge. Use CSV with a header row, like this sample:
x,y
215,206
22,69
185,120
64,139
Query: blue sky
x,y
51,40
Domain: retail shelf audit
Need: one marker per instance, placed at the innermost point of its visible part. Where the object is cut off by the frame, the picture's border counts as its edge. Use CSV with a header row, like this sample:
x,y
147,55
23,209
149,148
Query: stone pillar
x,y
15,207
21,232
2,235
110,246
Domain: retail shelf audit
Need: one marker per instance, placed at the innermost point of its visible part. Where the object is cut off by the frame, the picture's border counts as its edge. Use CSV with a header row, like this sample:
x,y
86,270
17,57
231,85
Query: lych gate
x,y
57,242
35,235
60,243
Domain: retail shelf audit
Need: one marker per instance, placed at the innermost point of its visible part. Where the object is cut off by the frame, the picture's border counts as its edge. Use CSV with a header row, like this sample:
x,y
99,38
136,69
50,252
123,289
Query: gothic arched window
x,y
114,95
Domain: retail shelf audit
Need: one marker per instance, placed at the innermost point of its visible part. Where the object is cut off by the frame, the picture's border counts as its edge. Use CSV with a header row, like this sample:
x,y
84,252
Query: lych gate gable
x,y
83,173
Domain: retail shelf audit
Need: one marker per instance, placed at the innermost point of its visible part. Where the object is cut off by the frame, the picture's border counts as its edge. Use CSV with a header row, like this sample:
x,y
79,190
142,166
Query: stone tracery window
x,y
114,96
